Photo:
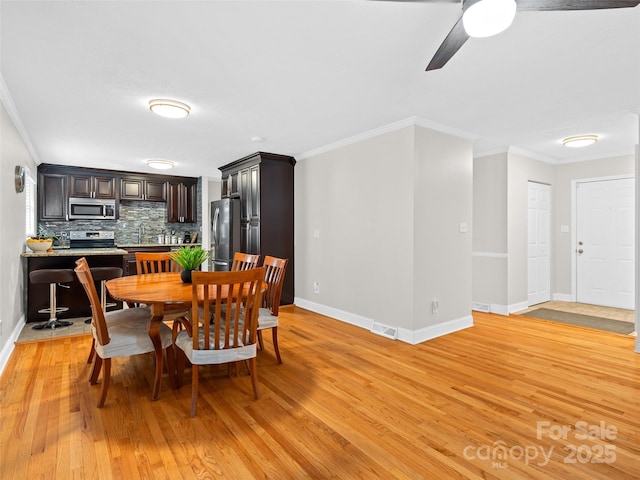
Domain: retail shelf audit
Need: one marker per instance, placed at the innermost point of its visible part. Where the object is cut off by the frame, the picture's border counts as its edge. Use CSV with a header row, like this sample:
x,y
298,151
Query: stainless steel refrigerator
x,y
225,232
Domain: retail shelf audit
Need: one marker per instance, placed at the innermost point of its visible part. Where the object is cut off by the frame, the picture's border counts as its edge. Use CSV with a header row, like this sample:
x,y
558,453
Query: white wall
x,y
522,170
500,223
443,203
12,217
376,225
359,200
490,233
565,175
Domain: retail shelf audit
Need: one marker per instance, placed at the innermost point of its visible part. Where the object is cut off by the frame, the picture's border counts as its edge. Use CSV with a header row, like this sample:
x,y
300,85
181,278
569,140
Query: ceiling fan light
x,y
579,141
169,108
160,164
484,18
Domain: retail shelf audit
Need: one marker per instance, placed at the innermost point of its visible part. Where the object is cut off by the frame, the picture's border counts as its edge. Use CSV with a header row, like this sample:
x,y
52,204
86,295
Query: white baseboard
x,y
9,345
490,308
563,297
500,309
435,331
516,307
409,336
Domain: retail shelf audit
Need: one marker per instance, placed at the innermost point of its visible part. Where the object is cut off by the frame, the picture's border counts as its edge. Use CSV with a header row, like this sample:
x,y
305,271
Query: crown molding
x,y
12,111
391,127
532,155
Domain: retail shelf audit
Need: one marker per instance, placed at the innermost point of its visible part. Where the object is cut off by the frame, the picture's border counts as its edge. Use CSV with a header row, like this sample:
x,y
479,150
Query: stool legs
x,y
53,310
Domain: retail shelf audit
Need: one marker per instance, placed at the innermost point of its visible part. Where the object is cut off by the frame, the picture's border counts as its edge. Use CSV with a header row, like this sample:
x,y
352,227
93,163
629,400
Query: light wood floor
x,y
344,404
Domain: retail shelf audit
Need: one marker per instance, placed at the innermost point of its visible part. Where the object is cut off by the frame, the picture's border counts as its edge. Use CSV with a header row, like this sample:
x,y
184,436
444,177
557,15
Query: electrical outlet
x,y
316,288
435,306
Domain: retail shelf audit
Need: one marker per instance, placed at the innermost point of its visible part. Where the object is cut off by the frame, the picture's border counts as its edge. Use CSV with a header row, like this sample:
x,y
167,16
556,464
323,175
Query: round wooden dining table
x,y
163,292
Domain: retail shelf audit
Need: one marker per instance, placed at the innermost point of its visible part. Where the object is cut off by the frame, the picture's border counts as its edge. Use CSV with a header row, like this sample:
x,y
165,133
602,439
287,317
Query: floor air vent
x,y
385,331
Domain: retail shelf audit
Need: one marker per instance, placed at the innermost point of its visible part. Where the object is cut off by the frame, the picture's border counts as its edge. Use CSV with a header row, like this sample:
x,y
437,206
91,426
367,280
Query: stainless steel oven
x,y
91,209
83,239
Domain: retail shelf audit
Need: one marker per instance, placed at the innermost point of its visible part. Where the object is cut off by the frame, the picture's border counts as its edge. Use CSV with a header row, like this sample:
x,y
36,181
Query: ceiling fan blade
x,y
556,5
456,38
420,1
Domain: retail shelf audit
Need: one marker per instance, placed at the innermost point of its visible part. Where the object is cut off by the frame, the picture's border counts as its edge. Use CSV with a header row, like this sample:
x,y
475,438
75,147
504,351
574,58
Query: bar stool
x,y
53,276
103,274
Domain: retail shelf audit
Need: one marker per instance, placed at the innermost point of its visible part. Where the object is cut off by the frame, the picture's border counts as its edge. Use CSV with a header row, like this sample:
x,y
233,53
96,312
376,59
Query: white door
x,y
539,238
605,242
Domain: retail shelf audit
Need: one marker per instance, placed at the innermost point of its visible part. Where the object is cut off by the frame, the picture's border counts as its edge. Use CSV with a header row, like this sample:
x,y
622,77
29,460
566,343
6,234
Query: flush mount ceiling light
x,y
580,141
160,164
484,18
169,108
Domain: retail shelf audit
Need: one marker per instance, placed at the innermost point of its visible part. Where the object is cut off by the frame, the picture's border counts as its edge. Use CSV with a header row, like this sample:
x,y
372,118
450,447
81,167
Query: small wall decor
x,y
19,178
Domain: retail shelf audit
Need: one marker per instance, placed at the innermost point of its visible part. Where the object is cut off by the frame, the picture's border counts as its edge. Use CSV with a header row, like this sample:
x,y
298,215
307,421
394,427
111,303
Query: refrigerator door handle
x,y
216,214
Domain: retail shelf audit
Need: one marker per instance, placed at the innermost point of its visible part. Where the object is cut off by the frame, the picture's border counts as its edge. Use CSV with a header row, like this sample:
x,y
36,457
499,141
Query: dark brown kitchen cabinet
x,y
182,203
132,188
250,208
52,196
231,185
265,188
90,186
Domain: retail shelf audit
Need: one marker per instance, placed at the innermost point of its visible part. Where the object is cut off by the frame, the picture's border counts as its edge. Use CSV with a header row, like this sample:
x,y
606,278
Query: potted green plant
x,y
189,258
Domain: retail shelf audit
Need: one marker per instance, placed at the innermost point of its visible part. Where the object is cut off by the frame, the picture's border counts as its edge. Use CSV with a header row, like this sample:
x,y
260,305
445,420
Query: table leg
x,y
157,315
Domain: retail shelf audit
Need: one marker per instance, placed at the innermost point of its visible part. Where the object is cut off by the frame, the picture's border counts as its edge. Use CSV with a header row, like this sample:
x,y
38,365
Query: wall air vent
x,y
480,307
385,330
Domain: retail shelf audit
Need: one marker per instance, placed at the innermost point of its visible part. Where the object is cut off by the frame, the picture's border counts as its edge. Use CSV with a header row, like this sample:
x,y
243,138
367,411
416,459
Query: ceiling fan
x,y
483,18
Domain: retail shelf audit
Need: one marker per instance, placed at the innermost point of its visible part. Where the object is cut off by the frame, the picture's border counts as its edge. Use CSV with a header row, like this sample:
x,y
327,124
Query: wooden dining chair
x,y
155,262
231,336
158,262
100,274
124,334
244,261
275,269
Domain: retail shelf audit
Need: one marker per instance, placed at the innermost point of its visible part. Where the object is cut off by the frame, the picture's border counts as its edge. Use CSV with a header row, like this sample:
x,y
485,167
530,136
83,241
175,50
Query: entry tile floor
x,y
586,309
28,334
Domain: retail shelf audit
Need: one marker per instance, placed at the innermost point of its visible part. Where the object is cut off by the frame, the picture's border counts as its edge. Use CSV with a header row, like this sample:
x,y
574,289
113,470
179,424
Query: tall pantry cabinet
x,y
264,184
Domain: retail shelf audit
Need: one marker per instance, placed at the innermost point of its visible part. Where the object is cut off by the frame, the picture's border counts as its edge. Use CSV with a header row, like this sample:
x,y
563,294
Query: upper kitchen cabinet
x,y
137,188
231,185
92,186
182,202
52,196
265,188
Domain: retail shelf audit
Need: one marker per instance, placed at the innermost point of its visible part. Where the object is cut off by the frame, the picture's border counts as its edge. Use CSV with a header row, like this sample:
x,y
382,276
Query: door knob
x,y
580,243
580,251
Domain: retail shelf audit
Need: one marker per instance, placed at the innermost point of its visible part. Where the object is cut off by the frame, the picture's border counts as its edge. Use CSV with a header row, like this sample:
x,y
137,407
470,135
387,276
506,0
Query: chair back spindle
x,y
244,261
155,262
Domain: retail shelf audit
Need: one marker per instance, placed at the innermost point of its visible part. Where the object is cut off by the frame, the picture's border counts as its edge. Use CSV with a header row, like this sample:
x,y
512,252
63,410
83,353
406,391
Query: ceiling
x,y
305,74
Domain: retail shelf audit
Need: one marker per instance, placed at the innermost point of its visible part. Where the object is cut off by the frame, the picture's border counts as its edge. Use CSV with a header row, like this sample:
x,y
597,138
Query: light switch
x,y
316,233
464,228
564,228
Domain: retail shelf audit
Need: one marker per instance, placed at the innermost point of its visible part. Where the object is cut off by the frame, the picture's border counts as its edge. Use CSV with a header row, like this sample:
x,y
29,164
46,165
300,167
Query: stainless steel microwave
x,y
91,209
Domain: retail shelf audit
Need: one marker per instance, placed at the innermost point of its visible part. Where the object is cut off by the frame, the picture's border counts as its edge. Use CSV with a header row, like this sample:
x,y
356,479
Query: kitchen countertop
x,y
172,245
118,250
76,252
